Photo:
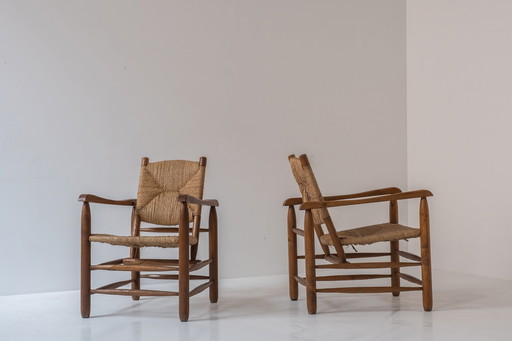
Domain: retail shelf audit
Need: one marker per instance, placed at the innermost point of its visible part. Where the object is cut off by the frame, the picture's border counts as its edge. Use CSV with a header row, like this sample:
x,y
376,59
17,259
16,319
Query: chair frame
x,y
340,260
185,264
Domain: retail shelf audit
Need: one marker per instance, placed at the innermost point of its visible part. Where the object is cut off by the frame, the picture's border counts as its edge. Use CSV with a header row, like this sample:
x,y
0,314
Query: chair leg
x,y
426,271
394,247
183,264
135,283
395,280
135,253
292,255
183,292
212,245
85,263
309,247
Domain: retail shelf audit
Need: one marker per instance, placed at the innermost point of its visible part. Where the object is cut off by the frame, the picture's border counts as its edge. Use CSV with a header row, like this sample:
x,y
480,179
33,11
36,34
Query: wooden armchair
x,y
170,193
332,242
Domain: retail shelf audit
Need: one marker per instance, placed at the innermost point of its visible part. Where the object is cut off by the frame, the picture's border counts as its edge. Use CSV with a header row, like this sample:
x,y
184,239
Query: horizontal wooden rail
x,y
377,265
335,259
115,261
167,229
300,280
366,254
351,277
409,255
159,276
115,285
122,267
299,232
410,278
149,261
133,292
322,256
200,288
200,265
360,290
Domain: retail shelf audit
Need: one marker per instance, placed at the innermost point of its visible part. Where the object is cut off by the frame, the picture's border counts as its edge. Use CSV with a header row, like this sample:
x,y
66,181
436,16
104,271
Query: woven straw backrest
x,y
307,185
160,184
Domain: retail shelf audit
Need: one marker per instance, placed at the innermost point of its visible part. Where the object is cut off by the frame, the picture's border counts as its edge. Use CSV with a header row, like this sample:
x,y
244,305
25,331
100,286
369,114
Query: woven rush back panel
x,y
160,184
308,187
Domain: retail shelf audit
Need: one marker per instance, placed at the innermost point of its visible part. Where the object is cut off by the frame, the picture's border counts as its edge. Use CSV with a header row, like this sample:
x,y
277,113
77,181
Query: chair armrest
x,y
100,200
382,198
292,201
380,191
192,200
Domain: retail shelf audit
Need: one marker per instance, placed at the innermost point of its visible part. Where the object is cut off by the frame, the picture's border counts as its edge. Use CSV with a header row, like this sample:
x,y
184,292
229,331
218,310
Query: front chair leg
x,y
213,253
309,249
292,255
426,271
183,263
135,253
395,258
85,262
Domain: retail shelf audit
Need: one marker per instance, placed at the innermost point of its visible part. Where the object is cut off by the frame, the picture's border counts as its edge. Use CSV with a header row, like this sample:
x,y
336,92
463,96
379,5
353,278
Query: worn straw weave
x,y
160,185
140,241
308,187
372,234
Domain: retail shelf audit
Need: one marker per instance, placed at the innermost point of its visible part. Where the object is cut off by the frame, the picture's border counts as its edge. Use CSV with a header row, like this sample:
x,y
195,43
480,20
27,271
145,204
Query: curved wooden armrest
x,y
292,201
192,200
100,200
390,197
380,191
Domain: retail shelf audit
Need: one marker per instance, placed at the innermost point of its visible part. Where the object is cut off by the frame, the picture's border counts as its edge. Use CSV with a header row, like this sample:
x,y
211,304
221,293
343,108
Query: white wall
x,y
88,88
459,118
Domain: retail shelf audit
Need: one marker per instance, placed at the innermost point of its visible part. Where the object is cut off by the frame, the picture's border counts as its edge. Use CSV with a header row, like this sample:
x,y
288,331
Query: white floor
x,y
466,308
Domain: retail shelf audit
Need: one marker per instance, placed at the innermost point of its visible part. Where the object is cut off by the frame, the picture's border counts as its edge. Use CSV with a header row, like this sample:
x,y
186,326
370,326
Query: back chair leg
x,y
395,280
394,248
292,255
426,271
212,245
309,246
85,263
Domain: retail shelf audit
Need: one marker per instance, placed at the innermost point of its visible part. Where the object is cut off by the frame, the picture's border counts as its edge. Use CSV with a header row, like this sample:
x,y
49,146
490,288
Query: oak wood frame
x,y
339,260
184,264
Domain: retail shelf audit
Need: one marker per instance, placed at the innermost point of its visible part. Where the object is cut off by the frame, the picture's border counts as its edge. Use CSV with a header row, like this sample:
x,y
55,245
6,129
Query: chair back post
x,y
197,221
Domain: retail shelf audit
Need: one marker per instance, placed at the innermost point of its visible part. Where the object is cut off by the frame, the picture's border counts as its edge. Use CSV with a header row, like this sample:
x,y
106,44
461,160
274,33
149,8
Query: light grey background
x,y
459,129
87,88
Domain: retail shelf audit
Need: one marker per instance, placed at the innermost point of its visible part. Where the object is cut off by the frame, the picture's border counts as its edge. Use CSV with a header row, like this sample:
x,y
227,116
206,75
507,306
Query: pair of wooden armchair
x,y
170,193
